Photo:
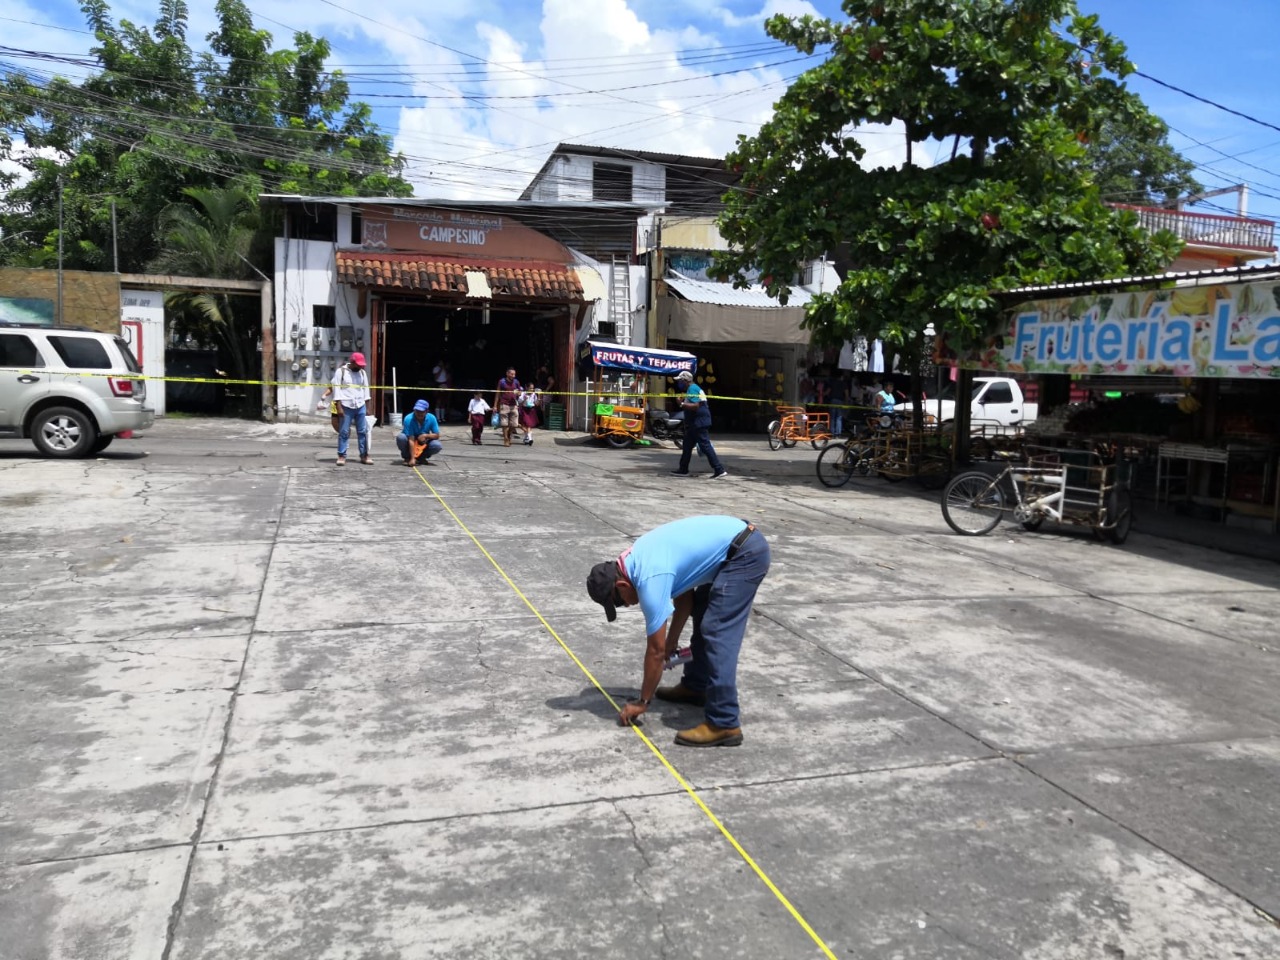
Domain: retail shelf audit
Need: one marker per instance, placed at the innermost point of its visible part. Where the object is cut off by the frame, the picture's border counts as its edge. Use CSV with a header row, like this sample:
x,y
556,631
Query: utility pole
x,y
59,253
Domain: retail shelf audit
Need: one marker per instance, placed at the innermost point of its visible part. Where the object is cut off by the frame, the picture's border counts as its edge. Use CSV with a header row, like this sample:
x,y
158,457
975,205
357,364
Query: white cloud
x,y
791,8
557,70
601,75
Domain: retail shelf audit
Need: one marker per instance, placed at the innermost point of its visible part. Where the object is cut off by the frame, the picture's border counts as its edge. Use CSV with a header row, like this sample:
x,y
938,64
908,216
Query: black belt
x,y
739,540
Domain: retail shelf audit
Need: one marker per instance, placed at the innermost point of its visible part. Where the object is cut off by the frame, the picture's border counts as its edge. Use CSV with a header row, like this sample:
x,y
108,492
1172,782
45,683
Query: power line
x,y
1196,96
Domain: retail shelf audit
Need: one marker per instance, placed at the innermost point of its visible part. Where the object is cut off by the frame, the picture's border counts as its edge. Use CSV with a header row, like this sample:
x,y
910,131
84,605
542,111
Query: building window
x,y
357,229
611,181
324,315
313,221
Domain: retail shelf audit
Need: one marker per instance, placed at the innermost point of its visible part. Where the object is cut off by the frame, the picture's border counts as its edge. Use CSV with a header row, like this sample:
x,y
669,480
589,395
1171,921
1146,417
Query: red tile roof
x,y
508,279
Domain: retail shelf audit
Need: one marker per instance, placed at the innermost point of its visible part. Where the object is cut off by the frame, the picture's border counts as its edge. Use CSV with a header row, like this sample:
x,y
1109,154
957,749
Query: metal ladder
x,y
620,299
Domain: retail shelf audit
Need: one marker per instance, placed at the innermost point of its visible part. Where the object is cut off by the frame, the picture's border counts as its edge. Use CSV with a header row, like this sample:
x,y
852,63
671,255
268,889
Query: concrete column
x,y
269,396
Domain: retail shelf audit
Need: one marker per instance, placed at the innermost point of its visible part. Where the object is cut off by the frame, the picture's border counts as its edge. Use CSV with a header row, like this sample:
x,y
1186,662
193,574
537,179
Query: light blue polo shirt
x,y
676,557
429,425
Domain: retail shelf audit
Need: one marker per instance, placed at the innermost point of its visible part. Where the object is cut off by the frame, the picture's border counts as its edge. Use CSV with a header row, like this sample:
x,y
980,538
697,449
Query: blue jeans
x,y
362,430
698,436
402,442
720,612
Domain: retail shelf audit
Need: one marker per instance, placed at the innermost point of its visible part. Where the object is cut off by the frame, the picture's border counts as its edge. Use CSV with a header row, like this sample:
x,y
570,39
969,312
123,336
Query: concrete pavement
x,y
255,705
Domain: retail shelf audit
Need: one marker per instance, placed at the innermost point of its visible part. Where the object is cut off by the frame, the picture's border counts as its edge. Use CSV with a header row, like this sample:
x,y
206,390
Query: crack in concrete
x,y
179,904
638,878
171,656
956,937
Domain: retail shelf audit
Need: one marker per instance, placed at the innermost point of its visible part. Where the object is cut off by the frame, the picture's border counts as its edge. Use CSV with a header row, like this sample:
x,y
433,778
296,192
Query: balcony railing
x,y
1208,229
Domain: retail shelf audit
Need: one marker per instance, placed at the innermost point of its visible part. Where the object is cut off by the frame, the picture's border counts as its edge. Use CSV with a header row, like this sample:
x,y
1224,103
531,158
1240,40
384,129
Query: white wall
x,y
305,276
569,179
142,325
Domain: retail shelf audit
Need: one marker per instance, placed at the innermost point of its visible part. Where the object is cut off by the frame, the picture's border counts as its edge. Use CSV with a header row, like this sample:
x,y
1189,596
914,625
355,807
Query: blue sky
x,y
477,92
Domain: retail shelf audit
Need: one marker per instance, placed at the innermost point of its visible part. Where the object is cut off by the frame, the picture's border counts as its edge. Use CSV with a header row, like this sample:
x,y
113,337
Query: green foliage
x,y
1132,162
1007,94
157,119
212,235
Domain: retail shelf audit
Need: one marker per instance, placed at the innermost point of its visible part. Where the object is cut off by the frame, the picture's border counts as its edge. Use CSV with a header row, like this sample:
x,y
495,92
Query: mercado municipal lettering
x,y
1223,331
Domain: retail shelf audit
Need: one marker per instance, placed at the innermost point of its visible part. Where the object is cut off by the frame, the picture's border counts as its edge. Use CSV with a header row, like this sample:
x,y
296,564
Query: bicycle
x,y
889,450
974,503
796,424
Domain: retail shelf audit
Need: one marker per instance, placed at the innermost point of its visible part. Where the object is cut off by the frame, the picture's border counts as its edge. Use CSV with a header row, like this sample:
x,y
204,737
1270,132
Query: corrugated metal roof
x,y
726,294
1186,278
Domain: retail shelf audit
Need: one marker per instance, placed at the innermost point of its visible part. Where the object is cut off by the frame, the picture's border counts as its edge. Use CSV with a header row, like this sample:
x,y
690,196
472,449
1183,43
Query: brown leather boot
x,y
681,694
709,735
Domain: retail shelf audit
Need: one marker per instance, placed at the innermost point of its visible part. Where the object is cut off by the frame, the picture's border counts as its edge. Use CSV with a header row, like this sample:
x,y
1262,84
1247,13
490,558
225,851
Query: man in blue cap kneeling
x,y
421,435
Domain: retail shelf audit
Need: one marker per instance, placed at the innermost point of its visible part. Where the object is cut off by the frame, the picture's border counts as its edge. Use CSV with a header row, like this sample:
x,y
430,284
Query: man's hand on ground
x,y
629,712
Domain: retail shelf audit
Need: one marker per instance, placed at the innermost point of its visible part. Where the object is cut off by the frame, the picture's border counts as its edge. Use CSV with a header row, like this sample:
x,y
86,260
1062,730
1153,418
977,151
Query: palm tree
x,y
212,236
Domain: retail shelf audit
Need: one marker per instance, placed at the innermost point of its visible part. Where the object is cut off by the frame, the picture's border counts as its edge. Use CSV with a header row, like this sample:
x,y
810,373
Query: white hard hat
x,y
684,375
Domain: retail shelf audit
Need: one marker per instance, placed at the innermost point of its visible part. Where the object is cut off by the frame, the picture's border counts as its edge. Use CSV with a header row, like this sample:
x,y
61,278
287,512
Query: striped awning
x,y
463,279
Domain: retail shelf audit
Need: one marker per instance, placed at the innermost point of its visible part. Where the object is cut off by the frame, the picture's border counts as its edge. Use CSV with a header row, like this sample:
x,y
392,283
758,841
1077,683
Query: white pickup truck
x,y
995,401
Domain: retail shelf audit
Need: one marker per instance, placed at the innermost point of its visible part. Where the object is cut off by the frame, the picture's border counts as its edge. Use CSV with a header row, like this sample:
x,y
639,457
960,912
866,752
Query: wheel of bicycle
x,y
836,464
788,438
775,440
972,504
821,441
1119,510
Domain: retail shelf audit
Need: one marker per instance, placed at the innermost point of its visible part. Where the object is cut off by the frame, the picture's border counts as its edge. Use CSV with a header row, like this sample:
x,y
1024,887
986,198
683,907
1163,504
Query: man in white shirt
x,y
351,391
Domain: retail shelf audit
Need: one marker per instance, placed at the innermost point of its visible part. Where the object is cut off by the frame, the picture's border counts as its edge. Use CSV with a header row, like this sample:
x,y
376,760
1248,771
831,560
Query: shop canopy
x,y
666,363
709,312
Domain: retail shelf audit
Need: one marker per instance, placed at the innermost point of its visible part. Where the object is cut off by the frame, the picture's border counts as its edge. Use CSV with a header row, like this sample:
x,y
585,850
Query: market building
x,y
1185,375
752,350
415,283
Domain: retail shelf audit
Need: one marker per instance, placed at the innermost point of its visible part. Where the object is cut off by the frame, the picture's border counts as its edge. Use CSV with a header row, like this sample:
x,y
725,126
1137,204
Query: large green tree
x,y
1131,161
157,118
1006,95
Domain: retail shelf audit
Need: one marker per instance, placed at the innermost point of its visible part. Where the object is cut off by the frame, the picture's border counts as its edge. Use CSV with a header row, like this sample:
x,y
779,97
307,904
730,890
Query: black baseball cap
x,y
601,584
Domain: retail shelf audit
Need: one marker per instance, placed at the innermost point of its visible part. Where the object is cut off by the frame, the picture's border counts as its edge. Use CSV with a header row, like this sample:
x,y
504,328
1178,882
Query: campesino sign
x,y
452,232
1231,330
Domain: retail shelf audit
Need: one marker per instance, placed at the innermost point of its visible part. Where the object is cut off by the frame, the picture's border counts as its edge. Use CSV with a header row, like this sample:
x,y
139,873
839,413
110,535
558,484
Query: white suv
x,y
69,389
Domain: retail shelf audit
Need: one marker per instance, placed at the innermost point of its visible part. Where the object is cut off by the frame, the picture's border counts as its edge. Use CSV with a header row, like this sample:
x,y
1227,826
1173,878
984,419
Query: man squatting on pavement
x,y
708,567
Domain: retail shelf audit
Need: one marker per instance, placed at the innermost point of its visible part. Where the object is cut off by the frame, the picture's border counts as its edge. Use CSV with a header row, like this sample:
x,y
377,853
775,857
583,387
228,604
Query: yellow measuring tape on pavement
x,y
688,788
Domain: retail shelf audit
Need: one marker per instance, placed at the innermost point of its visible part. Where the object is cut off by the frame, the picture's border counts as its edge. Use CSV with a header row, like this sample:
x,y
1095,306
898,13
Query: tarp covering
x,y
666,363
716,323
705,311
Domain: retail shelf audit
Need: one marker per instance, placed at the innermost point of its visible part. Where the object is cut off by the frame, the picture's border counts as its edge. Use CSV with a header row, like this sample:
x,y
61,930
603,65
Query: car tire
x,y
64,433
102,442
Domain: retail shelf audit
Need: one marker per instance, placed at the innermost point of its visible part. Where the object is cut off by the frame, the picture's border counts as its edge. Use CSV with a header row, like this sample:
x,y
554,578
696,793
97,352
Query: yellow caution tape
x,y
487,391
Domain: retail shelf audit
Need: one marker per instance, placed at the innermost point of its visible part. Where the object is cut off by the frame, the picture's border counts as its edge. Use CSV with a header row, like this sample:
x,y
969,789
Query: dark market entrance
x,y
477,343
